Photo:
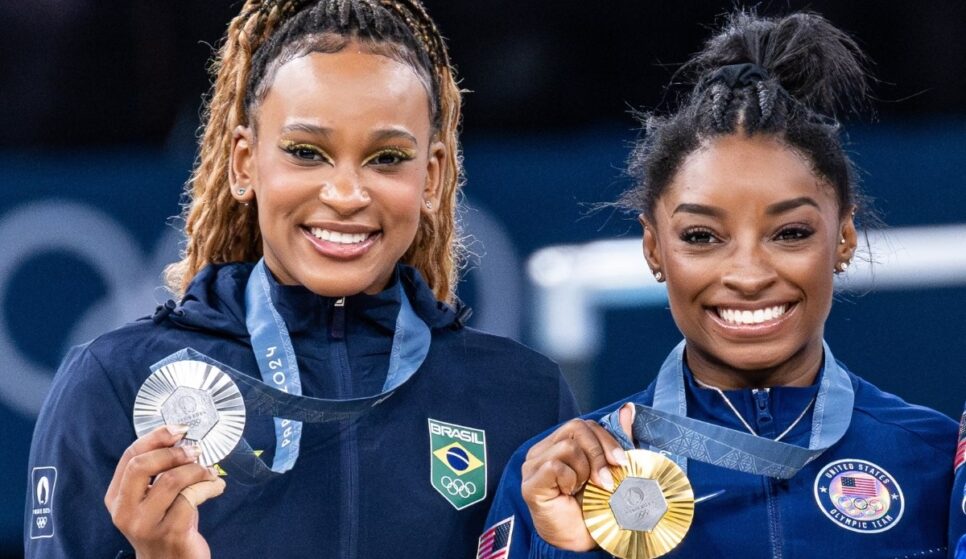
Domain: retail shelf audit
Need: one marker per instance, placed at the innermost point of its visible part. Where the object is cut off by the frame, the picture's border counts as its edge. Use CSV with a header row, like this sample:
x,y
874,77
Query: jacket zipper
x,y
349,452
765,424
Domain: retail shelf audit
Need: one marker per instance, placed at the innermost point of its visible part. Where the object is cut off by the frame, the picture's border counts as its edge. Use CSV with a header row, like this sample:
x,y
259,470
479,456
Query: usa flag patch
x,y
961,445
495,542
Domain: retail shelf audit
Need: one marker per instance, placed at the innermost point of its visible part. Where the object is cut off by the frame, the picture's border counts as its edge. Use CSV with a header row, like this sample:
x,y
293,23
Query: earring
x,y
842,241
241,191
841,267
429,205
658,276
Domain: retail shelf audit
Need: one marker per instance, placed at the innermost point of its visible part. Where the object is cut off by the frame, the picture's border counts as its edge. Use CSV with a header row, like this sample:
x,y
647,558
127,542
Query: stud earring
x,y
429,205
842,267
842,241
241,191
658,276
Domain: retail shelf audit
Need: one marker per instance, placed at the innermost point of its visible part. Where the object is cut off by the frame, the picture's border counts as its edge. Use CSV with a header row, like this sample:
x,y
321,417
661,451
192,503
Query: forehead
x,y
745,171
346,87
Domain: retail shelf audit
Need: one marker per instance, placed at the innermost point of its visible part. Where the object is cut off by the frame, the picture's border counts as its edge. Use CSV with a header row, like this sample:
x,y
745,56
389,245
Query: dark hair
x,y
787,77
265,35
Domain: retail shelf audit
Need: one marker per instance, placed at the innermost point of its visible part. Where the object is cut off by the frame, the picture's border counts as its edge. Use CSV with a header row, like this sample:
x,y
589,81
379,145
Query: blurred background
x,y
99,104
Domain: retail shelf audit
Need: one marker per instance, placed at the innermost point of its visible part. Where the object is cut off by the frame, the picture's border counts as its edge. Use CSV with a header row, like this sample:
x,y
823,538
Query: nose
x,y
344,192
749,271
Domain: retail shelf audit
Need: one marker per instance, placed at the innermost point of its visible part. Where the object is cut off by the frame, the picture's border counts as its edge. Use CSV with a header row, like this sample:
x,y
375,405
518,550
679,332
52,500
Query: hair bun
x,y
816,63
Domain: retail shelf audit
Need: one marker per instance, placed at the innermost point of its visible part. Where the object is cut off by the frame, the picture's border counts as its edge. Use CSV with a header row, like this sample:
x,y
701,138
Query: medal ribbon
x,y
666,428
279,393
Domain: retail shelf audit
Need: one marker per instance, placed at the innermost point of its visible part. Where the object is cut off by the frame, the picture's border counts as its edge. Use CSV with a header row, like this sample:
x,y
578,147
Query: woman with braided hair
x,y
319,271
748,203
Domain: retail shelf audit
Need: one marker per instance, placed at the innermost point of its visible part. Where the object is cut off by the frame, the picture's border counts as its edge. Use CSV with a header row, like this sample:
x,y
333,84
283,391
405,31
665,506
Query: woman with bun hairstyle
x,y
748,203
322,213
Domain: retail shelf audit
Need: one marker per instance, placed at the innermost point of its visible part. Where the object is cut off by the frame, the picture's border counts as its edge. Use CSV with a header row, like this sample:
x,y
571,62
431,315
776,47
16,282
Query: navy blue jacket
x,y
909,446
360,488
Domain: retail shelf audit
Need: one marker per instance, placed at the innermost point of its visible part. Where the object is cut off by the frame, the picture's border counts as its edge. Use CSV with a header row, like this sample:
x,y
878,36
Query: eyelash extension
x,y
801,233
402,154
691,231
292,148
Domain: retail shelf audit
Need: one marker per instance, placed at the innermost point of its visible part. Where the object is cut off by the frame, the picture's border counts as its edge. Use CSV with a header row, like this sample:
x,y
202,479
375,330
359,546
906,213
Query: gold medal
x,y
649,511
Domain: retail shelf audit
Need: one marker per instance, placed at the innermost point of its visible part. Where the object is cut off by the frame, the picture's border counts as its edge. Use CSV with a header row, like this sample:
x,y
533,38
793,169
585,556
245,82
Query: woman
x,y
327,180
747,200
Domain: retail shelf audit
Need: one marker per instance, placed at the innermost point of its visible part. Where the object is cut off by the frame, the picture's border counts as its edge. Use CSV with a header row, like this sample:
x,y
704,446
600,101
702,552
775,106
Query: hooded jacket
x,y
367,487
880,492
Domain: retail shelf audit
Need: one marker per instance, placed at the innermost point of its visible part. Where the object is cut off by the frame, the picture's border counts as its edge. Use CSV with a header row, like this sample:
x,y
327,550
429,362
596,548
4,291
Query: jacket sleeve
x,y
509,508
957,515
80,435
957,501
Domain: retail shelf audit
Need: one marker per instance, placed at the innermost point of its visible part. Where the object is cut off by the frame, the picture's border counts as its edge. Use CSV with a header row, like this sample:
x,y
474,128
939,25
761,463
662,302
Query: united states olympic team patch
x,y
859,496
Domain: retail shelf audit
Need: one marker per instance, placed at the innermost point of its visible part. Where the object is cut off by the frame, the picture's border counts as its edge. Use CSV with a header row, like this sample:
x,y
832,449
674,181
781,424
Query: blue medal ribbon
x,y
279,394
666,428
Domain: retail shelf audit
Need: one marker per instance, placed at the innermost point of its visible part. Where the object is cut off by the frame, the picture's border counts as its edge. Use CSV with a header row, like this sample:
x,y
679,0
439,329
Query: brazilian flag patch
x,y
458,470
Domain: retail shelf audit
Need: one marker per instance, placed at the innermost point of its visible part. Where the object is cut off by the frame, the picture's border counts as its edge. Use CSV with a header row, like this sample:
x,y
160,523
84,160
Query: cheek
x,y
401,198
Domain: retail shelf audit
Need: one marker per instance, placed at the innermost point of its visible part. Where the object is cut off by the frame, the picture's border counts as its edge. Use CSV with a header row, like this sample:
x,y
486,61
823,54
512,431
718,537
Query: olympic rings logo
x,y
131,278
458,487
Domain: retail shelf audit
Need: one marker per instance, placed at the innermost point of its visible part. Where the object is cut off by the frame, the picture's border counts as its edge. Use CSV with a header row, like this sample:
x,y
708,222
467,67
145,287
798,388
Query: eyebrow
x,y
392,134
788,205
774,209
377,136
308,128
699,209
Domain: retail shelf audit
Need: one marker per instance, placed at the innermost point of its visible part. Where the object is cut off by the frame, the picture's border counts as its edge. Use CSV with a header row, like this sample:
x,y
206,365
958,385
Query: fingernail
x,y
177,430
192,451
606,479
213,471
619,456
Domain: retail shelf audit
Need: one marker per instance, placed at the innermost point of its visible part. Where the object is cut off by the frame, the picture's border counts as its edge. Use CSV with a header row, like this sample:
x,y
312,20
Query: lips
x,y
341,242
752,321
751,316
338,237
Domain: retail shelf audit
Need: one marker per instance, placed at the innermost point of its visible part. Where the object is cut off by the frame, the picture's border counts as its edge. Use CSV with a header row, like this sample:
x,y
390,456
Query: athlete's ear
x,y
242,171
652,247
848,239
435,166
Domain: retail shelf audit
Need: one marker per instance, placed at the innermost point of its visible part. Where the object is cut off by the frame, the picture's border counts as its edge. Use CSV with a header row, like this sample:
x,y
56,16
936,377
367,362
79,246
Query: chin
x,y
754,358
343,286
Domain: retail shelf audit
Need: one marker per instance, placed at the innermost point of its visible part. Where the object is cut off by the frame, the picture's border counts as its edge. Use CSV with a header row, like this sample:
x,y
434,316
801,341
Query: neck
x,y
800,370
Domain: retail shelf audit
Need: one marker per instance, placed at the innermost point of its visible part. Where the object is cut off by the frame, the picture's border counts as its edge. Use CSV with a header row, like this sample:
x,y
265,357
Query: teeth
x,y
734,316
340,238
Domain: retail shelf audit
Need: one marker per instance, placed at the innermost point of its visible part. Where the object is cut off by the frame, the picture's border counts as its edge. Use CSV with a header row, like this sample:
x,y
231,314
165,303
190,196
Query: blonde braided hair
x,y
220,230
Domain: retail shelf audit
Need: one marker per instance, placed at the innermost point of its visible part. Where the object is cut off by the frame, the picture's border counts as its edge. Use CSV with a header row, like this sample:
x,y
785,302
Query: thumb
x,y
626,418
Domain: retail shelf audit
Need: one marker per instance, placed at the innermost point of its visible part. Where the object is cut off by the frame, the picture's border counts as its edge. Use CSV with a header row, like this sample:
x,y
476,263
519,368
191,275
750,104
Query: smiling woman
x,y
768,446
739,235
341,159
318,276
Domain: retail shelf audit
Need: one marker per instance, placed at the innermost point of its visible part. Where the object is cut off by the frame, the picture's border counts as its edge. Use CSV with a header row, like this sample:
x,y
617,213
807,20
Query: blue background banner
x,y
85,236
99,105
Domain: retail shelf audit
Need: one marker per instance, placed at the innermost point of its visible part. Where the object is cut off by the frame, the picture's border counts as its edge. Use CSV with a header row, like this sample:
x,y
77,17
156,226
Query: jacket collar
x,y
215,301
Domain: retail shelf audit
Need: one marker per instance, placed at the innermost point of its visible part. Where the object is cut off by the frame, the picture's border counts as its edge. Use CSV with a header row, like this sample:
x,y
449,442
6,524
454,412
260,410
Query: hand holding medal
x,y
584,490
154,495
556,470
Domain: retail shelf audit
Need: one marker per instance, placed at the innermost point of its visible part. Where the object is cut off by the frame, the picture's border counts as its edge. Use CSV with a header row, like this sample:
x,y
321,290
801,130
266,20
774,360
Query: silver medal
x,y
198,395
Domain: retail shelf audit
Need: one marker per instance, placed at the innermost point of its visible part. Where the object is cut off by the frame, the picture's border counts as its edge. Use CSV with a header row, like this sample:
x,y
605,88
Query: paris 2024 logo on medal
x,y
458,458
859,496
